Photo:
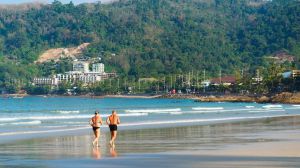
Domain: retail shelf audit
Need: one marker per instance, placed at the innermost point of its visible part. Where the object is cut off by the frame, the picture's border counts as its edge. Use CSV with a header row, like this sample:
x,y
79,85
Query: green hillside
x,y
150,37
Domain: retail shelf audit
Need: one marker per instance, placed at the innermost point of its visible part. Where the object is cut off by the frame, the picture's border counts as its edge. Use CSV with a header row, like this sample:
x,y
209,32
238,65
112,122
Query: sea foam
x,y
67,112
59,117
153,110
208,108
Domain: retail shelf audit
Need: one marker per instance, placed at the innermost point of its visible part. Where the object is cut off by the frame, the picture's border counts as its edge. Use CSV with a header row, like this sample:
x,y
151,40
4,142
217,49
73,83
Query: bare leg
x,y
114,137
97,137
111,137
97,134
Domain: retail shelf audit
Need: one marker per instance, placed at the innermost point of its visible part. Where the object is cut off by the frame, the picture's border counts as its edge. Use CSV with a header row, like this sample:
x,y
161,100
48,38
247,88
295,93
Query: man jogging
x,y
112,121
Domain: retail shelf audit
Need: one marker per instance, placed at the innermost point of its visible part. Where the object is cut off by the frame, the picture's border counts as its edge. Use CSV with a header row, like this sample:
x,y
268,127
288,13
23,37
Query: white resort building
x,y
99,67
45,81
80,73
81,66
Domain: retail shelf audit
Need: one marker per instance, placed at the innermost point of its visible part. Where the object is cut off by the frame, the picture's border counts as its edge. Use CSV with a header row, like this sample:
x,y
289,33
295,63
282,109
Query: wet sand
x,y
262,143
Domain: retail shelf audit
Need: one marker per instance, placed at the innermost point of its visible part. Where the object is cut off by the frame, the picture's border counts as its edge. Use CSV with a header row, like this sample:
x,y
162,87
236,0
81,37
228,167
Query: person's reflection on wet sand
x,y
96,153
113,152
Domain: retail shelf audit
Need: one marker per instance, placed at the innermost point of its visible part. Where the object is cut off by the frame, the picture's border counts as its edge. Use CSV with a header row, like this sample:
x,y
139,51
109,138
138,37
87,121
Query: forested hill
x,y
151,37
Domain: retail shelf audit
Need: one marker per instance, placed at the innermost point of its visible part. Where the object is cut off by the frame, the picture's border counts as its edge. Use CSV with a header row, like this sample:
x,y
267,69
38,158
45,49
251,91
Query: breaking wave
x,y
153,110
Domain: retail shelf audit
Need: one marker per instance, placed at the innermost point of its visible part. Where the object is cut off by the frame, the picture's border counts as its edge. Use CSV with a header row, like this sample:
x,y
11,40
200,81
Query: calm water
x,y
31,115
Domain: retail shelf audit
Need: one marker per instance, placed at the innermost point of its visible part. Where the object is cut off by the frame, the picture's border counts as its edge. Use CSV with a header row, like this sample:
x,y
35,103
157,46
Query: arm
x,y
107,121
100,121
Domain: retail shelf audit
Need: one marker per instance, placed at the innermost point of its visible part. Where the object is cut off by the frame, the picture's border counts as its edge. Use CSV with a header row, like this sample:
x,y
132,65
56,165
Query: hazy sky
x,y
47,1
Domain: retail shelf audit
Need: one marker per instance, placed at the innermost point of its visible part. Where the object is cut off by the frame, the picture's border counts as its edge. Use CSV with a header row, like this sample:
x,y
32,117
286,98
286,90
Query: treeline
x,y
190,83
145,38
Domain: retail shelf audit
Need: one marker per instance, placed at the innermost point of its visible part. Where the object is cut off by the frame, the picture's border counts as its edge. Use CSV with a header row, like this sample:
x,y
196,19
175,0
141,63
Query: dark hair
x,y
96,112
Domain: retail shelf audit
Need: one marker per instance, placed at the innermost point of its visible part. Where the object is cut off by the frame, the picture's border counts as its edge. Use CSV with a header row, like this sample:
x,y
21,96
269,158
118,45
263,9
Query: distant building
x,y
295,73
45,81
74,76
291,74
257,80
99,68
80,73
205,83
108,75
81,66
89,78
226,80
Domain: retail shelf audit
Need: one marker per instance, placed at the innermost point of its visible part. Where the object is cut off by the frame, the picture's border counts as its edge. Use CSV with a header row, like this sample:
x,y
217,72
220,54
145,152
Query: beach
x,y
54,132
269,142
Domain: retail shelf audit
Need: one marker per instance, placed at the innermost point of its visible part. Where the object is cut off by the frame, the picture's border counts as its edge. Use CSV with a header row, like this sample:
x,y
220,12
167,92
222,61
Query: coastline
x,y
142,96
134,96
283,98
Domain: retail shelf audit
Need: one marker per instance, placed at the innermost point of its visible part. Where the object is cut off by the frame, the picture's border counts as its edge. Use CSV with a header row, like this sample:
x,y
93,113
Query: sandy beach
x,y
262,143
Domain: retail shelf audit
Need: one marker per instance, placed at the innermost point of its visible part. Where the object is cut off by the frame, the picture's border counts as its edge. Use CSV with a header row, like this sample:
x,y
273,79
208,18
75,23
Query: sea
x,y
44,115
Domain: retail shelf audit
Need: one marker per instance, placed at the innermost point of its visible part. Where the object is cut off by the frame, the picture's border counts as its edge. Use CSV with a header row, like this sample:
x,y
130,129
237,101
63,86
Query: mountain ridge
x,y
152,37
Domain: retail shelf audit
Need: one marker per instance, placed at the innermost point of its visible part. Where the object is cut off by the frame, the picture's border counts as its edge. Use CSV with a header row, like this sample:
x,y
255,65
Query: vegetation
x,y
151,38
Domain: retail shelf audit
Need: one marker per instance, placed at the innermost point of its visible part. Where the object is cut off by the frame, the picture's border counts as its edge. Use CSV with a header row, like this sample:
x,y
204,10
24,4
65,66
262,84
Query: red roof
x,y
225,79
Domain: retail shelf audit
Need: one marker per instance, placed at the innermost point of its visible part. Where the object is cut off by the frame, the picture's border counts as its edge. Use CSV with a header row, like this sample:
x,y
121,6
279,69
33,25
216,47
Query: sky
x,y
47,1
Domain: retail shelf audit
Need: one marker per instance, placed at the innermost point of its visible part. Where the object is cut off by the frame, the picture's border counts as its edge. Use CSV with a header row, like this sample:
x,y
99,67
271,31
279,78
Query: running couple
x,y
112,121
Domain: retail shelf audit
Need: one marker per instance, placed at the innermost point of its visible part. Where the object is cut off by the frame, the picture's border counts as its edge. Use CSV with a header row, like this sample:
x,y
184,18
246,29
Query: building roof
x,y
225,79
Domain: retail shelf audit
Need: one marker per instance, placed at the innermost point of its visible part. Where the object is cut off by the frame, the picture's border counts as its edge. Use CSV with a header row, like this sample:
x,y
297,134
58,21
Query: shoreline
x,y
142,96
282,98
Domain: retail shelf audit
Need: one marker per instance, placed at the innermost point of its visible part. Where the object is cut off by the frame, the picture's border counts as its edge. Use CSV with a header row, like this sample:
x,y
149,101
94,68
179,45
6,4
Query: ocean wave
x,y
176,113
275,109
267,111
65,117
208,108
245,110
293,108
272,106
250,106
67,112
8,119
45,117
132,114
153,110
35,122
215,111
